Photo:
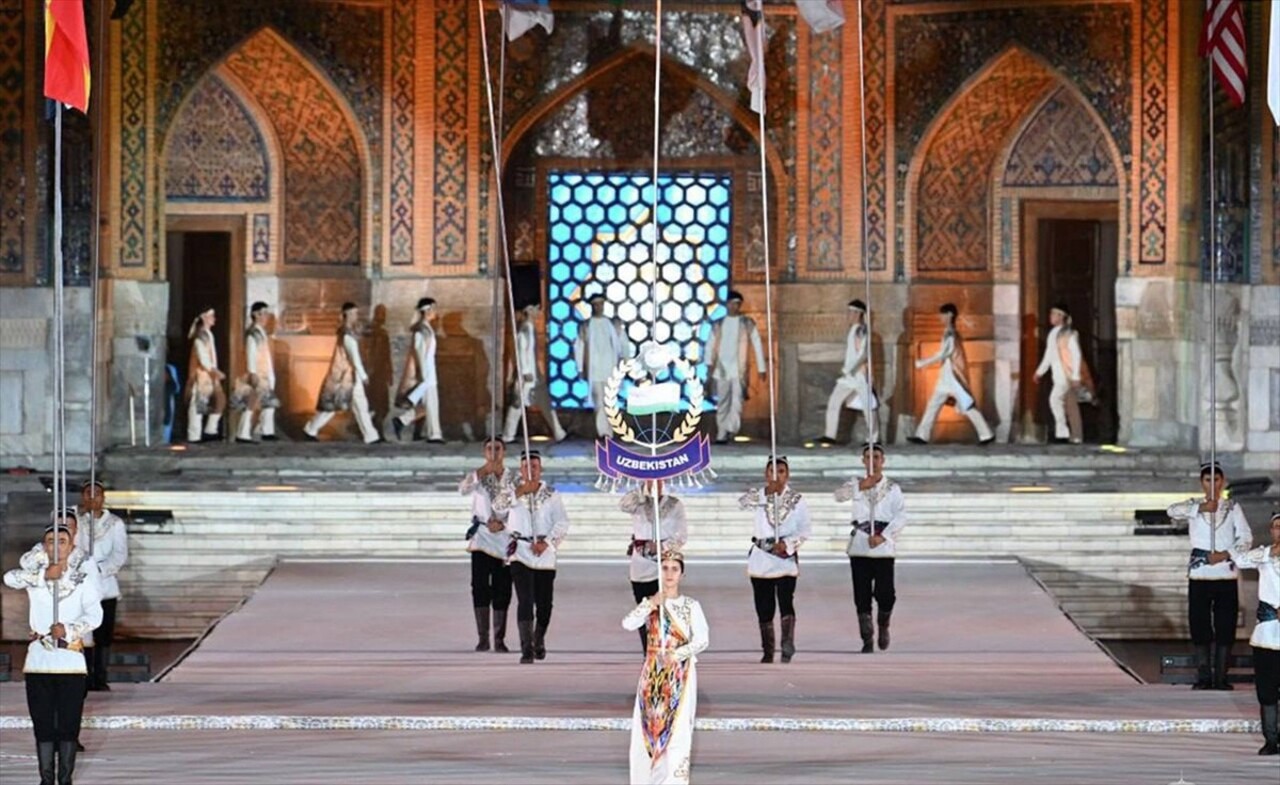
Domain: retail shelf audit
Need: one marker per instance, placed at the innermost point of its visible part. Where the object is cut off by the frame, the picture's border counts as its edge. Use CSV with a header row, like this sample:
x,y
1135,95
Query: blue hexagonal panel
x,y
600,233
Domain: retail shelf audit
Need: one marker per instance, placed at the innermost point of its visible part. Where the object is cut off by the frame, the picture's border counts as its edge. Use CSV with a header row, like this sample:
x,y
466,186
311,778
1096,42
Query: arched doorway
x,y
1005,169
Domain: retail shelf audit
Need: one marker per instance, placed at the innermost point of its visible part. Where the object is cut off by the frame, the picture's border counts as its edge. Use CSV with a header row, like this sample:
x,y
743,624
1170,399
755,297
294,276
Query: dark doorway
x,y
1075,254
199,271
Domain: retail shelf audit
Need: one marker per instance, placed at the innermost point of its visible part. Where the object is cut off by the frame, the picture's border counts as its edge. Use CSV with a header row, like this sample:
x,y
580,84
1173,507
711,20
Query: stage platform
x,y
1083,468
339,672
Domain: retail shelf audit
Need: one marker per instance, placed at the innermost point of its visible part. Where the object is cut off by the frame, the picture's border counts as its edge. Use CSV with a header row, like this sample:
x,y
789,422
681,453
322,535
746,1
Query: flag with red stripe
x,y
66,53
1222,41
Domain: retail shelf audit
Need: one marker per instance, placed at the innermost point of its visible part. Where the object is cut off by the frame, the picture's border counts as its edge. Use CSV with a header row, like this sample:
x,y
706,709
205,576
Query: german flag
x,y
66,53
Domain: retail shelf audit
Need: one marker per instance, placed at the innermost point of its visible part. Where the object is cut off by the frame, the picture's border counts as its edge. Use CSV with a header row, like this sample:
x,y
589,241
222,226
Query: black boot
x,y
66,761
766,641
482,626
1204,667
525,629
540,642
44,754
1270,730
882,622
1222,664
500,630
867,632
101,668
788,638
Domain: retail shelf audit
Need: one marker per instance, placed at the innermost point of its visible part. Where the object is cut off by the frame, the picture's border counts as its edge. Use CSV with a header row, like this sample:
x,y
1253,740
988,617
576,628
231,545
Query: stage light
x,y
539,438
1115,448
272,488
178,447
809,445
1031,489
742,439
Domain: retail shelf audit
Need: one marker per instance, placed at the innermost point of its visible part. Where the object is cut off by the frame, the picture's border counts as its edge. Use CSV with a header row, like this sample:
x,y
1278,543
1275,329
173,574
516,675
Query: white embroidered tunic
x,y
484,492
643,549
889,516
782,518
1266,634
538,516
79,612
110,549
1224,530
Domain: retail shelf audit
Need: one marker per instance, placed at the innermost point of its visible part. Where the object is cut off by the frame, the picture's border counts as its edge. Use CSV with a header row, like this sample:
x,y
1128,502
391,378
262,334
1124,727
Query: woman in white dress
x,y
667,696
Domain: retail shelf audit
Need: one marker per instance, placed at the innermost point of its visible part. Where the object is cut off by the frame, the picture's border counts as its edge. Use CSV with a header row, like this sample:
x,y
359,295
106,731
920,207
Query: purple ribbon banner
x,y
617,462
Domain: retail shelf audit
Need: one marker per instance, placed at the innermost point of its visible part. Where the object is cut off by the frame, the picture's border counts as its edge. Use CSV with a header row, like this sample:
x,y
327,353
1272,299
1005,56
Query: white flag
x,y
520,17
822,15
654,398
1273,63
751,33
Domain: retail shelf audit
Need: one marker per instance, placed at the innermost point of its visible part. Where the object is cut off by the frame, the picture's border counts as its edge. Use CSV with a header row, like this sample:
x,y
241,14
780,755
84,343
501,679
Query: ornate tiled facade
x,y
13,150
400,180
954,184
323,192
1061,146
215,150
826,104
451,140
1154,97
135,138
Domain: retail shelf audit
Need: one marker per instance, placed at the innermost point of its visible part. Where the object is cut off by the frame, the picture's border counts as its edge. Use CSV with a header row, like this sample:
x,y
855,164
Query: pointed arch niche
x,y
602,121
267,106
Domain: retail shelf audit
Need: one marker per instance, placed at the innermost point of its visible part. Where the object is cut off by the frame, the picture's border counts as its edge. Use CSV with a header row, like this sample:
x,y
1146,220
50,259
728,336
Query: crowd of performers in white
x,y
518,525
733,344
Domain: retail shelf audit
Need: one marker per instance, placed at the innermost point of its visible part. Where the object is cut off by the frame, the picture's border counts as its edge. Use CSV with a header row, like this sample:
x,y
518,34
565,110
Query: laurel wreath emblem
x,y
688,426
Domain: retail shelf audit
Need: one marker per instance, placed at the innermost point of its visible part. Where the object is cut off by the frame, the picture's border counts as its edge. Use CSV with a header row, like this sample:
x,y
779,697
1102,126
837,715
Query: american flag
x,y
1222,41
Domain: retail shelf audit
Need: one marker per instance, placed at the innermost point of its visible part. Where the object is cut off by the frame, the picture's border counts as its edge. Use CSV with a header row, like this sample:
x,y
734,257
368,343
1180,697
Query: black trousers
x,y
872,578
1212,608
771,593
55,702
1266,675
105,635
642,589
535,593
490,582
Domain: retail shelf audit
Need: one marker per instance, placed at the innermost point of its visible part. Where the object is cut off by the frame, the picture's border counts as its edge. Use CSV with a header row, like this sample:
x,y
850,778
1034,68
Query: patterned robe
x,y
667,695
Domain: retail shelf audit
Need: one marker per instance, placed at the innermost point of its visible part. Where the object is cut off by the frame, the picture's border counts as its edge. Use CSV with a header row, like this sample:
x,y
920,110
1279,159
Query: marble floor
x,y
338,647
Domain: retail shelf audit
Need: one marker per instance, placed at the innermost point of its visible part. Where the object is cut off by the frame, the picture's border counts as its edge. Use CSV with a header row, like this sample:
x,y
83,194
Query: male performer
x,y
204,381
851,387
343,387
953,382
257,388
523,376
102,536
879,514
596,352
781,526
1217,527
418,393
643,550
727,361
487,540
1063,360
1266,634
538,524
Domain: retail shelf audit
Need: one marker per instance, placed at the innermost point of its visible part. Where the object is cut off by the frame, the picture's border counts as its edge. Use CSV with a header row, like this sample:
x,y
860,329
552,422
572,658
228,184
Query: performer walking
x,y
667,696
953,383
487,540
205,396
343,387
1217,528
851,387
782,525
54,670
419,393
102,537
1266,634
1064,362
256,390
596,352
879,514
643,549
538,524
524,380
727,361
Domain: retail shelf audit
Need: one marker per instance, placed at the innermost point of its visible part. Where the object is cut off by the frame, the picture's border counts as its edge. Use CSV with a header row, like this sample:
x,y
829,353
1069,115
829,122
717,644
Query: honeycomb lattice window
x,y
600,236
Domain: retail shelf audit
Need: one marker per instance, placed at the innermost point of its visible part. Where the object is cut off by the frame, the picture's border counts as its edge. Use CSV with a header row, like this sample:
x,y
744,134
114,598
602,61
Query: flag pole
x,y
59,431
1213,319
